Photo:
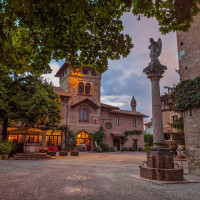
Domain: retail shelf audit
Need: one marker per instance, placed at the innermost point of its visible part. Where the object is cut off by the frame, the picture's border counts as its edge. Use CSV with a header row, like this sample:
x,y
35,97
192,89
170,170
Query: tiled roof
x,y
126,112
147,123
61,92
108,106
88,101
64,66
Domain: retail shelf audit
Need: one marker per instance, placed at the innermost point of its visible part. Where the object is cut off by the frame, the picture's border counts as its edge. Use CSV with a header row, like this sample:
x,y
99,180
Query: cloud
x,y
125,77
50,77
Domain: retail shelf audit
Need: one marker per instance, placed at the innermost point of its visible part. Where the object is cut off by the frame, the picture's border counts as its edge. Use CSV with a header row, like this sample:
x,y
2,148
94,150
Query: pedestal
x,y
160,164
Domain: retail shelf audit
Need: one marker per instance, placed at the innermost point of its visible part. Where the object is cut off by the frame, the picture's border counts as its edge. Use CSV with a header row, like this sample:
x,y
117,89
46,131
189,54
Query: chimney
x,y
133,104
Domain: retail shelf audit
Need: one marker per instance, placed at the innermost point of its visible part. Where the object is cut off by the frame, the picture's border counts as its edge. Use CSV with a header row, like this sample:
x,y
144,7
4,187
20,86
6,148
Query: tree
x,y
27,100
83,32
172,15
148,139
179,134
70,139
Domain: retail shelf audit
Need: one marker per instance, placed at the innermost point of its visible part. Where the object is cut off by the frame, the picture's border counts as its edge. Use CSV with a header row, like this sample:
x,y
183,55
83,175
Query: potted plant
x,y
74,153
63,153
51,153
6,148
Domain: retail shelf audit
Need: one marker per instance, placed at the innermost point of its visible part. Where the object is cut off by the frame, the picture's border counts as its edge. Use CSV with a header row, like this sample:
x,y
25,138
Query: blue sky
x,y
125,78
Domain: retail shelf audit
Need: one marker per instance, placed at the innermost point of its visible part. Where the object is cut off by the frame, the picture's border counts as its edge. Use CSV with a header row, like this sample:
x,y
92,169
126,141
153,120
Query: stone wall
x,y
189,67
189,45
125,124
192,138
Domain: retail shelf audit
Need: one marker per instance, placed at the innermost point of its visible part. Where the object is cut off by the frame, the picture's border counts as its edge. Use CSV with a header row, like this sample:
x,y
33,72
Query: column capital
x,y
155,70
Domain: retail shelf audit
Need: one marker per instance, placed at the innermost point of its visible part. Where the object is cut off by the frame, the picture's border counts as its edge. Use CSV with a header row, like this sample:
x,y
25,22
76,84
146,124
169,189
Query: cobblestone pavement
x,y
90,176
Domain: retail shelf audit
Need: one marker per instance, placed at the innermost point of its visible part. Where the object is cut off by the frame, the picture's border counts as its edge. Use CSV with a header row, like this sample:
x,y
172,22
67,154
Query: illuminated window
x,y
81,88
87,88
134,122
84,114
117,121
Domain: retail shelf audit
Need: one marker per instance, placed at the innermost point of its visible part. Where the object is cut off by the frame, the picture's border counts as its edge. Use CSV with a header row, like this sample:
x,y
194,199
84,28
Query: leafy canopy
x,y
185,95
29,100
83,32
172,15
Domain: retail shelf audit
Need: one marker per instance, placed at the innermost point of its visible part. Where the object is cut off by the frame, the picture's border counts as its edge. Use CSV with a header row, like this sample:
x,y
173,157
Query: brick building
x,y
84,114
189,67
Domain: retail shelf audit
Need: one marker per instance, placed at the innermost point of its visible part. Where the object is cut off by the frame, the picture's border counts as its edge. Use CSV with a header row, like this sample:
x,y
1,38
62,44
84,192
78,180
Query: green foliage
x,y
179,134
33,32
133,132
147,148
106,148
186,94
148,139
70,138
171,15
29,100
140,149
127,133
124,149
6,147
99,137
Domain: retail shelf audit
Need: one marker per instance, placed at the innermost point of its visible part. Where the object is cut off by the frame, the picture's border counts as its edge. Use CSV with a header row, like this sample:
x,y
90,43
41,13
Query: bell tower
x,y
133,104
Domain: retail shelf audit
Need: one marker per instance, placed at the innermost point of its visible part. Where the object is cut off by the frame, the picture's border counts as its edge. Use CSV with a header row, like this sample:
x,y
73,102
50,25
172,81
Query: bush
x,y
147,148
130,149
106,148
99,149
140,149
148,139
6,147
125,149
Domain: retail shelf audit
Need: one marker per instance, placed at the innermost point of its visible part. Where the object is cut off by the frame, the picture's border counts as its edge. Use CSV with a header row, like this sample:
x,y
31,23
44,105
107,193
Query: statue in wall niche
x,y
155,50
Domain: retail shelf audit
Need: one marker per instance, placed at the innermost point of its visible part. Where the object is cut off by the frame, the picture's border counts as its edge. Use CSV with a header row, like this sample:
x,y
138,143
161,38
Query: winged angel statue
x,y
155,50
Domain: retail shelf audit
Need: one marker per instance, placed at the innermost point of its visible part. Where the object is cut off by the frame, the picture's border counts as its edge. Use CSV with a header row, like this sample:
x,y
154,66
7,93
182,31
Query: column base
x,y
160,166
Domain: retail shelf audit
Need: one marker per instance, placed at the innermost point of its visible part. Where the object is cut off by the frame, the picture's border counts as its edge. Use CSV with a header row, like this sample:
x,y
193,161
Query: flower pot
x,y
74,153
51,153
5,156
1,156
63,153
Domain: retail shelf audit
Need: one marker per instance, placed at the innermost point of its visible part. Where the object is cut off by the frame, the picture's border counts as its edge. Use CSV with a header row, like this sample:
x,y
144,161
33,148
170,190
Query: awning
x,y
118,134
24,131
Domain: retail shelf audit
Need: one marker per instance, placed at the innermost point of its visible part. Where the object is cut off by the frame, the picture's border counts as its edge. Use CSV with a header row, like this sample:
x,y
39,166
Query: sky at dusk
x,y
125,78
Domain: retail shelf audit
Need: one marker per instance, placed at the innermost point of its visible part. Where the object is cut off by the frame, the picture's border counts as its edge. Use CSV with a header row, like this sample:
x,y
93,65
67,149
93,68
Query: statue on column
x,y
155,50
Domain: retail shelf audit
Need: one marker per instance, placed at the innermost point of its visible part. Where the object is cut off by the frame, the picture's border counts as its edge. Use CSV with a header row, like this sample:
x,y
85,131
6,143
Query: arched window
x,y
84,114
81,88
87,88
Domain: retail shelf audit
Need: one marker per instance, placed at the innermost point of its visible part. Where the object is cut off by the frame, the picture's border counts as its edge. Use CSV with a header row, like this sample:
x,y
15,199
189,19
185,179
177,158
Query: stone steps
x,y
29,156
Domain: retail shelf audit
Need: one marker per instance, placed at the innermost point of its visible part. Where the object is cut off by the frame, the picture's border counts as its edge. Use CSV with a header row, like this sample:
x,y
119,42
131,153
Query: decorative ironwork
x,y
108,125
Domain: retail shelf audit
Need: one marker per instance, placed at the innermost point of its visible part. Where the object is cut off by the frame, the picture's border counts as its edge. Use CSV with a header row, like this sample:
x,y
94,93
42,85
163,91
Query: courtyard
x,y
88,176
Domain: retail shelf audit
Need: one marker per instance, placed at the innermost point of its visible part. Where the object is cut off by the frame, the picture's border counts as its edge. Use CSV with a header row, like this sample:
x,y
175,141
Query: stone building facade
x,y
189,68
83,112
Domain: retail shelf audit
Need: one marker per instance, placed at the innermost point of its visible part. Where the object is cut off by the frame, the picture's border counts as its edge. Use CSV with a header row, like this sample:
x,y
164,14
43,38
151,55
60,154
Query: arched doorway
x,y
83,137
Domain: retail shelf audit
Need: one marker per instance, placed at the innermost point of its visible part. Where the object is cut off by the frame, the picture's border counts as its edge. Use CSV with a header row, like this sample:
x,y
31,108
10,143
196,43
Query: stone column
x,y
154,73
160,165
